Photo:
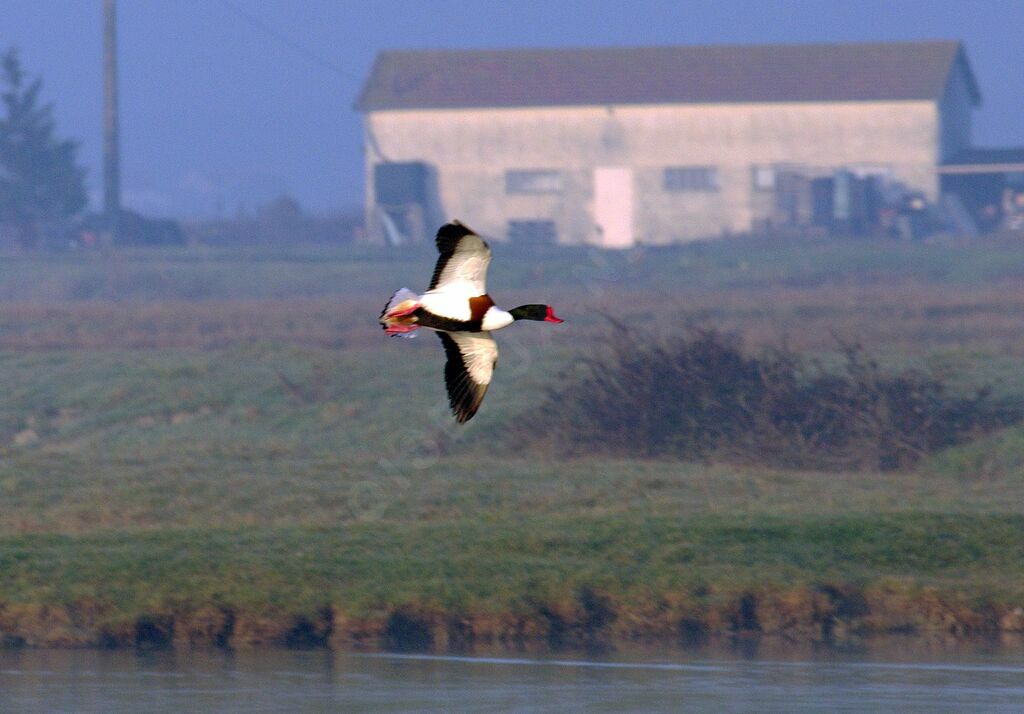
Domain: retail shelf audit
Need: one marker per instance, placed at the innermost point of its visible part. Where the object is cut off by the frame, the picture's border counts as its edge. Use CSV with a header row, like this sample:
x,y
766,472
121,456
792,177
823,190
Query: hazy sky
x,y
228,103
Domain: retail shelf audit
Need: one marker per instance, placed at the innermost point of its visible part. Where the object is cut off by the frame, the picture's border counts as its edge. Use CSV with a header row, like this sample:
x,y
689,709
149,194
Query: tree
x,y
282,221
41,184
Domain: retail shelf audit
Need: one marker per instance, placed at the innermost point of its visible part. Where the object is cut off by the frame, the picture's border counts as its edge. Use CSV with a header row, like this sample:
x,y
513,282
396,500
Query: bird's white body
x,y
447,302
495,318
454,304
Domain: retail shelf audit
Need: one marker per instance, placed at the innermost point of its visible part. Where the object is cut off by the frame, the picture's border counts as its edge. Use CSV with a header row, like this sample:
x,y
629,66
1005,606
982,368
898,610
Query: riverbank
x,y
224,450
561,583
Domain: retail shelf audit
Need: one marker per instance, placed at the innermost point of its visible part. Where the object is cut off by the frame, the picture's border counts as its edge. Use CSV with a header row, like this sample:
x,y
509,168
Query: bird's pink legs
x,y
400,329
395,320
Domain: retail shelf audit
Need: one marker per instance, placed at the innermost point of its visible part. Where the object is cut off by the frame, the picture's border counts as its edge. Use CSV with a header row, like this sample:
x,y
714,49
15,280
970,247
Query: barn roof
x,y
985,160
988,155
421,79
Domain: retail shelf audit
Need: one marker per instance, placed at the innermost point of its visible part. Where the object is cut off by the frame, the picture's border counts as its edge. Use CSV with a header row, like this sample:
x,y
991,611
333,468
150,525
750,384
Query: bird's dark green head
x,y
540,313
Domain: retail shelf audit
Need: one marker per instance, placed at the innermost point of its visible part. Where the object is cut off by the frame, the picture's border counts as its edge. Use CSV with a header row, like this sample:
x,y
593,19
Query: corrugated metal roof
x,y
419,79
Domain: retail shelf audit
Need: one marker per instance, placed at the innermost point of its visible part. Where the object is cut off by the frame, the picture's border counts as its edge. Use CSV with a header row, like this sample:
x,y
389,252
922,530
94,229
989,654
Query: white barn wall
x,y
472,149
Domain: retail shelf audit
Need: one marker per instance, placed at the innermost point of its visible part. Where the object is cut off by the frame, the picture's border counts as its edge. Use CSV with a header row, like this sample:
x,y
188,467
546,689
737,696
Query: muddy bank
x,y
824,614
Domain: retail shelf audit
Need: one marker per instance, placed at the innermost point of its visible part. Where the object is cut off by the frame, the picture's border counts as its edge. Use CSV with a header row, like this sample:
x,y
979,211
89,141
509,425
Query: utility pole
x,y
111,150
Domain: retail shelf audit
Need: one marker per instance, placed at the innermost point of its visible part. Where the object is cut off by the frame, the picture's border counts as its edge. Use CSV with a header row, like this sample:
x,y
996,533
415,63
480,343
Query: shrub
x,y
702,395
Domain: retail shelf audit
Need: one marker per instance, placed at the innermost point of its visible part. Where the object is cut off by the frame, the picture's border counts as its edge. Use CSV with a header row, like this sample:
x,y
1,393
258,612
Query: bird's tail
x,y
397,317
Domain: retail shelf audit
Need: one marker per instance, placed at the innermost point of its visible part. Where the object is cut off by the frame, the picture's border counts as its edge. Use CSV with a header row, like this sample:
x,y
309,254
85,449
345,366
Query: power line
x,y
288,41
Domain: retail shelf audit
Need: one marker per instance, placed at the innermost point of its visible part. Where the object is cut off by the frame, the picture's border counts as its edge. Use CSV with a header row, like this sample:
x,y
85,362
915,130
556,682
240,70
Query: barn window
x,y
879,171
532,232
691,178
763,178
537,181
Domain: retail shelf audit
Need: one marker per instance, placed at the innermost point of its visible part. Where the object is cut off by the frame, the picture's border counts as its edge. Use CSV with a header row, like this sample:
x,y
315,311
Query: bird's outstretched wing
x,y
462,266
467,373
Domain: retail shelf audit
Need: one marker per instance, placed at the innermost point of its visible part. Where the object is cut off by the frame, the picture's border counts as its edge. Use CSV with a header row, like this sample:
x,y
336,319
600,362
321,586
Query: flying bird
x,y
457,307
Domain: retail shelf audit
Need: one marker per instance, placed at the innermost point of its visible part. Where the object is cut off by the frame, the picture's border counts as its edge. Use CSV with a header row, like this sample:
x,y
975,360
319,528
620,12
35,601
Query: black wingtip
x,y
448,237
453,231
464,395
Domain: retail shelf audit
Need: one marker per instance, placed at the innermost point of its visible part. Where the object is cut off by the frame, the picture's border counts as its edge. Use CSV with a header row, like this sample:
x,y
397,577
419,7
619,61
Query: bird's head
x,y
540,313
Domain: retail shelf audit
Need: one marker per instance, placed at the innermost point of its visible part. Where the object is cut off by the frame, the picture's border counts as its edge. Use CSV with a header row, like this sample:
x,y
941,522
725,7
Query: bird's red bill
x,y
551,317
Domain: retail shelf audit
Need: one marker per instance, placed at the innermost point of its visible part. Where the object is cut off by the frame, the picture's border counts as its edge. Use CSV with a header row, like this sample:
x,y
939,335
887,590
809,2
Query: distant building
x,y
654,145
990,185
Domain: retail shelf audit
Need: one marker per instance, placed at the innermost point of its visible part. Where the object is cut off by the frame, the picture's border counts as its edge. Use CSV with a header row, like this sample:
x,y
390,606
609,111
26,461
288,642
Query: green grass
x,y
185,430
484,567
184,440
304,270
995,459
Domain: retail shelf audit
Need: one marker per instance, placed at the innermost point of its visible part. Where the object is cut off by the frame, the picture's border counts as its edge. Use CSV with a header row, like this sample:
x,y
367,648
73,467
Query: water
x,y
312,681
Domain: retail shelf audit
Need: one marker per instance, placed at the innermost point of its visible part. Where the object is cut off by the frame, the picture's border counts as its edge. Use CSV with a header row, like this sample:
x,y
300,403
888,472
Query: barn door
x,y
613,206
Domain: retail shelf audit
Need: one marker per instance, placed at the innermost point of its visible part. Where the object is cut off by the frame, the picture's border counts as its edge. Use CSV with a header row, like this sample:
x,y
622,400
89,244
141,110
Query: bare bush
x,y
702,395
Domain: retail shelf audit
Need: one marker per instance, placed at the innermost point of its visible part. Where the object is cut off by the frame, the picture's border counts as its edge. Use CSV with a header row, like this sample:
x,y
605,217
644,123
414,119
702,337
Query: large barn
x,y
654,145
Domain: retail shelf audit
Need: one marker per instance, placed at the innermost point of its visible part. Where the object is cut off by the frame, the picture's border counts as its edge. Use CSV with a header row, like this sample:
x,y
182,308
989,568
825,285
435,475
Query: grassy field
x,y
224,449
